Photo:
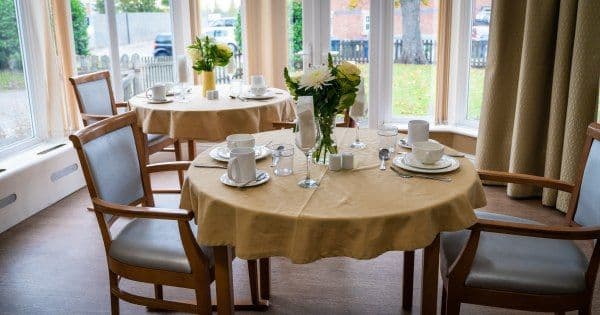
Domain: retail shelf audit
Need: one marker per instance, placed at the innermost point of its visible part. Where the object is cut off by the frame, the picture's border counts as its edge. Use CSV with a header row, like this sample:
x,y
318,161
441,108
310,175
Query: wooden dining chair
x,y
348,122
510,262
96,101
156,245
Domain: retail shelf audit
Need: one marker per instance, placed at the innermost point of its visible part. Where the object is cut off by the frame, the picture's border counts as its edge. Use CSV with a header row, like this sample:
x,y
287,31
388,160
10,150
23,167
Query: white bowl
x,y
427,152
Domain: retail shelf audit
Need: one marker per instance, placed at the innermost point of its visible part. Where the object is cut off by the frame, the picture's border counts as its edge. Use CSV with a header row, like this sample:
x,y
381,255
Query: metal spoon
x,y
257,179
384,155
278,154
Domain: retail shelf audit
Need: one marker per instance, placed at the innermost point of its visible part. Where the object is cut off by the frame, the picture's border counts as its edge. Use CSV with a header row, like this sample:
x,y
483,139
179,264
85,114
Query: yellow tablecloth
x,y
212,120
360,213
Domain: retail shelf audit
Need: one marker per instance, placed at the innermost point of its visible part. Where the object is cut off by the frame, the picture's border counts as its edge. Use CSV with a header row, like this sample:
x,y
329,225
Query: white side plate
x,y
227,181
222,153
399,161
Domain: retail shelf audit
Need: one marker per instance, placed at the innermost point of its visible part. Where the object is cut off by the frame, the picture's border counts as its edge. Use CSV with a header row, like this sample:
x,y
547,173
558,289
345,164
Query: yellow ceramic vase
x,y
208,82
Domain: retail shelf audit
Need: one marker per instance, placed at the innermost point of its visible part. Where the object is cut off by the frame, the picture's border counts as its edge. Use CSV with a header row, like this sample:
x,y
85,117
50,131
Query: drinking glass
x,y
283,159
358,118
306,143
231,70
388,136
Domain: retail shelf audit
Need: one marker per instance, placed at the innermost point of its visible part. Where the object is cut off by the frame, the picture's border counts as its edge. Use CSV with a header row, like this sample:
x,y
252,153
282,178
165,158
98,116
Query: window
x,y
480,29
17,124
366,24
415,30
295,52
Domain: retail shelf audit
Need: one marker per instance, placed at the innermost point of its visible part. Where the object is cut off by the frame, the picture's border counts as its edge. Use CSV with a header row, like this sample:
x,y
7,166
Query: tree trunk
x,y
412,45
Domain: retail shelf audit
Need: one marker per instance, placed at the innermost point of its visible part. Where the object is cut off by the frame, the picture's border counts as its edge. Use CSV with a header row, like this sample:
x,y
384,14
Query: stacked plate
x,y
248,95
221,153
410,163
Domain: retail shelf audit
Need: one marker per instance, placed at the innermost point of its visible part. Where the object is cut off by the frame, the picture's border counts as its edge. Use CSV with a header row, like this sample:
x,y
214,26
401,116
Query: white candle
x,y
182,69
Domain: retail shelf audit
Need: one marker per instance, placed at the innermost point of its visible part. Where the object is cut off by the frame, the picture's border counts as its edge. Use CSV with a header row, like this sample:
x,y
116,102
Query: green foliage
x,y
295,33
80,25
10,52
206,54
130,6
237,31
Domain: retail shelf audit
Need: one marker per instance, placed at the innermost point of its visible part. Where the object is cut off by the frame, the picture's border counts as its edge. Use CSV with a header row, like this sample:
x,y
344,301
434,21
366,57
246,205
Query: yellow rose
x,y
224,48
349,69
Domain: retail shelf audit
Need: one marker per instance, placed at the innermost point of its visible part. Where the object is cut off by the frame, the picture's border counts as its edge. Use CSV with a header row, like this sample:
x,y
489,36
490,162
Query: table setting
x,y
322,195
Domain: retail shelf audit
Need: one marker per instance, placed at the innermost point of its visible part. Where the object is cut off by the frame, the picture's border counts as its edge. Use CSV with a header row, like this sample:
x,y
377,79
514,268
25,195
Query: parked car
x,y
480,31
223,22
163,45
222,34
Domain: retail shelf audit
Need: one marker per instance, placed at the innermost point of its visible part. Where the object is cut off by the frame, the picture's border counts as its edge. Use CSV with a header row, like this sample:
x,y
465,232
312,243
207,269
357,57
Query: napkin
x,y
306,121
358,108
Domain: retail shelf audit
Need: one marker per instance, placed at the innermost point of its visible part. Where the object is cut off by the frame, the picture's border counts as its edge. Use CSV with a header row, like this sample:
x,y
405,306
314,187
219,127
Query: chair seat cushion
x,y
154,244
518,263
155,138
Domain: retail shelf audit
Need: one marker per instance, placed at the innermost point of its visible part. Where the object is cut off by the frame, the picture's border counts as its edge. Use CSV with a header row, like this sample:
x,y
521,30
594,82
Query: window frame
x,y
33,84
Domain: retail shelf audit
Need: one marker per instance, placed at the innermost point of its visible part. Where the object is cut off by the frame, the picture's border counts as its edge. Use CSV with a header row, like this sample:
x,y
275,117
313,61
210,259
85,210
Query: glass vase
x,y
327,144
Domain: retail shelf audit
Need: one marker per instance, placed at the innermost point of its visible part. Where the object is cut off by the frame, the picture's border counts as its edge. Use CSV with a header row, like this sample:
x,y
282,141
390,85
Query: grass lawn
x,y
11,80
413,89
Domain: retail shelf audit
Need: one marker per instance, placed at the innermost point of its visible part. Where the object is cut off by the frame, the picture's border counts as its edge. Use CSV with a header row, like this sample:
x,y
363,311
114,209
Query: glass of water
x,y
388,136
283,159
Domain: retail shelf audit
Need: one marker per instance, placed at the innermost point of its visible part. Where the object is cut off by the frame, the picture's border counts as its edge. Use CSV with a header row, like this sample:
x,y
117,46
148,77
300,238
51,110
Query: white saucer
x,y
227,181
250,96
221,153
405,145
399,161
168,100
411,160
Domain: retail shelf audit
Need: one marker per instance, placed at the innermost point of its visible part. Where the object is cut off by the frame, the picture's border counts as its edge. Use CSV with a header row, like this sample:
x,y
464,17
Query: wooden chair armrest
x,y
141,212
534,230
283,124
516,178
122,104
168,166
94,118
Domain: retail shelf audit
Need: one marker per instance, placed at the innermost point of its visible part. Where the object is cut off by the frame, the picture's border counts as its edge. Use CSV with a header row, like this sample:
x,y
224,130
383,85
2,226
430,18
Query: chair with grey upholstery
x,y
510,262
156,245
96,102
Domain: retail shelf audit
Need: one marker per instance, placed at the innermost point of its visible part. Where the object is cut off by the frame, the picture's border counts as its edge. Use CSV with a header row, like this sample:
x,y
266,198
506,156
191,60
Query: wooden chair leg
x,y
203,302
584,311
158,291
253,274
191,149
177,149
452,304
408,280
444,300
114,299
265,278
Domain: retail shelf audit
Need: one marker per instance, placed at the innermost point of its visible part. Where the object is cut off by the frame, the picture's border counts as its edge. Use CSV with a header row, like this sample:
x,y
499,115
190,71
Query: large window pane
x,y
294,17
414,69
222,20
16,121
480,27
350,25
90,36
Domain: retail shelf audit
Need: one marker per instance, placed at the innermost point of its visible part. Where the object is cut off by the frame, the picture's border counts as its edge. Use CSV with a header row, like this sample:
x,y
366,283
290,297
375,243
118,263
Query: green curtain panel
x,y
540,92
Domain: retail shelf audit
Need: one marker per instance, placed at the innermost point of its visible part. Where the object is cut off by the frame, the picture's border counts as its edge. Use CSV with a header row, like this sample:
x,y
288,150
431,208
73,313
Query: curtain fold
x,y
266,44
195,30
540,90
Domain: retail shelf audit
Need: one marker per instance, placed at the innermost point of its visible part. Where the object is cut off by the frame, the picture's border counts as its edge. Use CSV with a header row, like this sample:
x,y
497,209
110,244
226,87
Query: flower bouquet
x,y
206,54
333,89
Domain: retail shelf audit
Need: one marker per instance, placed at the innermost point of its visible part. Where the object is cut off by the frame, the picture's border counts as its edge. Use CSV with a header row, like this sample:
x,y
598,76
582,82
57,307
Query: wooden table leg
x,y
224,279
191,149
431,258
265,278
408,280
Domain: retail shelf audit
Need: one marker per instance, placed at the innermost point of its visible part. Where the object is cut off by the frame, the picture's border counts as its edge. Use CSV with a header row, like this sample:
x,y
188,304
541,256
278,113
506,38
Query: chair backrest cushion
x,y
114,166
588,205
95,97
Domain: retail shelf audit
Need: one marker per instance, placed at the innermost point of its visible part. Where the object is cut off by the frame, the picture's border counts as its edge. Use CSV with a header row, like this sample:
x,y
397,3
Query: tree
x,y
130,6
296,32
99,6
237,31
80,24
412,44
10,51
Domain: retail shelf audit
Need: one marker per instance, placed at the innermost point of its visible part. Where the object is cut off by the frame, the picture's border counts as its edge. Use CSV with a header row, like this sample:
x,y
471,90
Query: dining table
x,y
359,213
199,118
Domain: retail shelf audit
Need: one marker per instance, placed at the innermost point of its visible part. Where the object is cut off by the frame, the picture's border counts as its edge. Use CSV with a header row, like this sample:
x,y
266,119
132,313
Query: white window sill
x,y
456,129
23,159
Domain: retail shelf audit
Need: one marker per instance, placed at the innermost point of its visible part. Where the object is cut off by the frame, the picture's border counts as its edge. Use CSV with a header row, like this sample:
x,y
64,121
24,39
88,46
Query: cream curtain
x,y
266,44
540,90
195,28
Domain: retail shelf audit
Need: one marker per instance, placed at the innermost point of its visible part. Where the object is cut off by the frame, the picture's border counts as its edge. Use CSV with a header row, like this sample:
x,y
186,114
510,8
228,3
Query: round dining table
x,y
359,213
198,118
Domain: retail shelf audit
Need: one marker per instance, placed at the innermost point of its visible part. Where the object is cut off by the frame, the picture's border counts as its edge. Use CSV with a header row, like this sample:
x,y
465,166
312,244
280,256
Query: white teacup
x,y
418,131
258,86
241,167
159,92
427,152
240,140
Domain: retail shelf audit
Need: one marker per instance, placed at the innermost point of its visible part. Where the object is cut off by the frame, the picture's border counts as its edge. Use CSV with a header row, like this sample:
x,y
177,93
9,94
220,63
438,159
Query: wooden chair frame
x,y
90,118
454,289
201,274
